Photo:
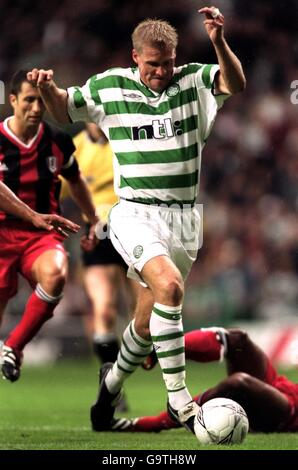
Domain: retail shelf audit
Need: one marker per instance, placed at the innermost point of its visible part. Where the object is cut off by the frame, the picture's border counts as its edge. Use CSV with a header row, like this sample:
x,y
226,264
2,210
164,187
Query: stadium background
x,y
247,269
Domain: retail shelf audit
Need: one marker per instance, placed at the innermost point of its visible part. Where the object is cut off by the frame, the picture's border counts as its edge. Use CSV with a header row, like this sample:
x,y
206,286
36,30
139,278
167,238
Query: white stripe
x,y
160,169
138,119
141,340
177,194
168,308
39,291
150,145
69,163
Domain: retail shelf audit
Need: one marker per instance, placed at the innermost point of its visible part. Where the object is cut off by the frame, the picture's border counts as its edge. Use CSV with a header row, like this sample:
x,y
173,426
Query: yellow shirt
x,y
96,164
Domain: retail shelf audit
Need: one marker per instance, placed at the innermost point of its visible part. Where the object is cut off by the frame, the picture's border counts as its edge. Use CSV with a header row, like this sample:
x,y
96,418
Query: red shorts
x,y
290,390
20,246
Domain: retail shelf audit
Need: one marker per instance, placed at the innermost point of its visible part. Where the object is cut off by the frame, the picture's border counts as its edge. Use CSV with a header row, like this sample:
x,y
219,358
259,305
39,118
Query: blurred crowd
x,y
248,265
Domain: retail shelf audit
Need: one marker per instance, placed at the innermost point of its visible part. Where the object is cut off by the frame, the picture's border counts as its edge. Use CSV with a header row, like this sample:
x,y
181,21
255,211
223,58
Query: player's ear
x,y
12,100
135,56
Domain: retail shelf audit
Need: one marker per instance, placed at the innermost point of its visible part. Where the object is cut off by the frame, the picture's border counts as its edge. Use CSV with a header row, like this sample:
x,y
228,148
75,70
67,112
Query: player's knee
x,y
172,290
142,328
53,281
237,339
240,382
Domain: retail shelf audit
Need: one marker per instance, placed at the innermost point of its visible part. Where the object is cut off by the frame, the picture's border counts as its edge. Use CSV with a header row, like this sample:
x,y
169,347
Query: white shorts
x,y
140,232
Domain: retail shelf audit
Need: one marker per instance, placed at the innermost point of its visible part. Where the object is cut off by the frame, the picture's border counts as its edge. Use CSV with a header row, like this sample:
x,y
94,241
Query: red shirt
x,y
31,170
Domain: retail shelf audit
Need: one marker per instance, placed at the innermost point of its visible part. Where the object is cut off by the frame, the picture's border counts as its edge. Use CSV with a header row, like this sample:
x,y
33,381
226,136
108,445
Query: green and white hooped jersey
x,y
157,139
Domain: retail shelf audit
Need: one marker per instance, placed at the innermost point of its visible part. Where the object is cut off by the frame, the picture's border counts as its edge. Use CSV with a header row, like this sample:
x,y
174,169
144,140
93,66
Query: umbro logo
x,y
3,166
133,96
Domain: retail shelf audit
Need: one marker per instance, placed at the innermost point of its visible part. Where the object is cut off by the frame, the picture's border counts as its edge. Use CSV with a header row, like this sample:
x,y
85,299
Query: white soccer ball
x,y
221,421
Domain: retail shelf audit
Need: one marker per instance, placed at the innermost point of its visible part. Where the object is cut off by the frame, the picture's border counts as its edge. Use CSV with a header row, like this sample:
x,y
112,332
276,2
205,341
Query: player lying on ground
x,y
270,400
11,204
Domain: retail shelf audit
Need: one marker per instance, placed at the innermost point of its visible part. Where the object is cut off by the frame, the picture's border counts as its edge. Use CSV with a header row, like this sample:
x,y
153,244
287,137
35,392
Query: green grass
x,y
49,409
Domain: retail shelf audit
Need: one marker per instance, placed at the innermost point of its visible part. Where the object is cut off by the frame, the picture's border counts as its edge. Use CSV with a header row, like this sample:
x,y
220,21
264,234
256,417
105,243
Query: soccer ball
x,y
221,421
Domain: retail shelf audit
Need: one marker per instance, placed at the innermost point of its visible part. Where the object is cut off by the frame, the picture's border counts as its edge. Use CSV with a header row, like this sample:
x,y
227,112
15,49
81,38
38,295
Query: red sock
x,y
202,346
36,313
155,423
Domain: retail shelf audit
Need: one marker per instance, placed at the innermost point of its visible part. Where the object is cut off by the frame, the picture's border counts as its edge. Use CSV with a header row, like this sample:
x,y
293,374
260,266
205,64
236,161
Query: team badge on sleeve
x,y
52,163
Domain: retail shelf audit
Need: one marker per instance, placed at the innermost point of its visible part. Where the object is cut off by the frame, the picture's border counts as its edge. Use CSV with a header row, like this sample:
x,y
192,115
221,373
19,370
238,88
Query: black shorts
x,y
103,254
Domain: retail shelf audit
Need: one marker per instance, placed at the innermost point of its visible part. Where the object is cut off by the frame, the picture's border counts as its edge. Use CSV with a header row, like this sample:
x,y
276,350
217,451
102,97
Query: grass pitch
x,y
48,409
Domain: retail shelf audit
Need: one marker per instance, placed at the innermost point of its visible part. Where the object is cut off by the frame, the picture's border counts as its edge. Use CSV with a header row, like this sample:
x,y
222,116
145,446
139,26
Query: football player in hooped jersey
x,y
157,118
32,155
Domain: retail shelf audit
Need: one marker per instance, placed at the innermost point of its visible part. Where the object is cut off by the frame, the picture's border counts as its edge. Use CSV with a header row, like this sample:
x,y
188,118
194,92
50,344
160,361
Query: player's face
x,y
156,66
28,106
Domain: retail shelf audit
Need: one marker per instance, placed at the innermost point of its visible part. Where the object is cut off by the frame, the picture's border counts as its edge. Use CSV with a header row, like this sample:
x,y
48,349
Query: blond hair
x,y
152,32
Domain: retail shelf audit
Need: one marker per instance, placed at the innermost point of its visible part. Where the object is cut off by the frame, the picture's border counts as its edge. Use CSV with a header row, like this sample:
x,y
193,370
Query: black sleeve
x,y
70,168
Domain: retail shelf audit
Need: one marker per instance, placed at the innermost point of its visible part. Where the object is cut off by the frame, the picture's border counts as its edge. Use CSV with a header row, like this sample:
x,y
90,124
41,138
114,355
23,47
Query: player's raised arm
x,y
54,98
231,78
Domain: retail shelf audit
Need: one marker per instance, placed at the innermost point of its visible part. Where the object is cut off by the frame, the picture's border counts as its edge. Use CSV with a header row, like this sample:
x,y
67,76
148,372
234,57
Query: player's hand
x,y
55,222
89,242
41,78
214,21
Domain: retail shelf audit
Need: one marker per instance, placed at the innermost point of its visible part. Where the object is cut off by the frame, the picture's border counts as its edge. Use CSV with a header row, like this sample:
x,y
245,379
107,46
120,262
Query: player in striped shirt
x,y
157,118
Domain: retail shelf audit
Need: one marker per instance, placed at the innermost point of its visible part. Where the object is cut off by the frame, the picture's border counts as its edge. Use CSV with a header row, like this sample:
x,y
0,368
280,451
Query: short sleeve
x,y
70,168
209,103
84,103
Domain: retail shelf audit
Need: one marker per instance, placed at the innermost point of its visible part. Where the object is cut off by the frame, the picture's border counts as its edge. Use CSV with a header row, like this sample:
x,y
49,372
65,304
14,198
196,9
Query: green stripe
x,y
131,352
131,107
160,182
124,370
188,70
173,352
157,339
167,315
125,133
159,202
206,76
129,362
93,85
117,81
78,98
120,133
183,154
142,345
178,390
173,370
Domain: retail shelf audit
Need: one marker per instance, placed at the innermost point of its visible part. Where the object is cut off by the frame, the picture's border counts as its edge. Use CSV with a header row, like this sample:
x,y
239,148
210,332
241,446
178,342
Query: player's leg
x,y
161,422
3,303
205,345
266,407
102,285
166,329
10,359
48,271
134,348
103,276
243,355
